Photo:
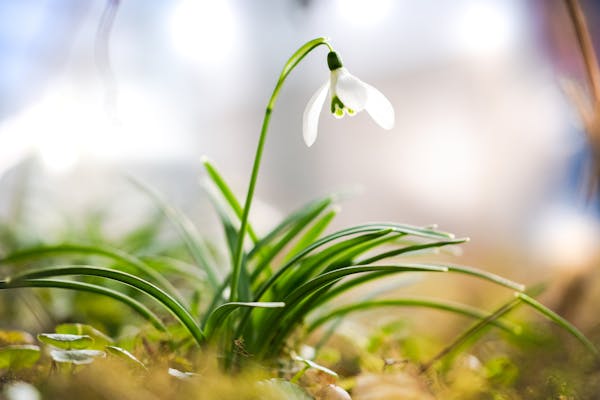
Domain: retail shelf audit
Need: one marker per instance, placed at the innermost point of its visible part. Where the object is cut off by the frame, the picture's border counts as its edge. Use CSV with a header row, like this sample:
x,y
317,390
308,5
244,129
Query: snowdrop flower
x,y
349,95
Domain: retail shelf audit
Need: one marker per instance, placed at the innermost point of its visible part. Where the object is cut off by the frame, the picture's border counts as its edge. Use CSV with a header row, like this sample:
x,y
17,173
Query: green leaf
x,y
170,303
560,321
228,228
314,365
122,258
282,389
184,376
16,357
309,292
290,222
125,355
412,249
292,227
360,229
77,357
437,304
100,339
337,254
87,287
187,232
228,195
66,341
313,233
217,317
144,236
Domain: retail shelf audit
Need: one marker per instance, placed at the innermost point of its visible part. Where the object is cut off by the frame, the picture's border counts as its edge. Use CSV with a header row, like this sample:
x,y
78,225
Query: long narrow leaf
x,y
338,254
472,331
443,305
292,221
313,233
228,195
560,321
411,249
171,304
219,314
478,273
187,231
87,287
293,230
73,249
378,227
320,284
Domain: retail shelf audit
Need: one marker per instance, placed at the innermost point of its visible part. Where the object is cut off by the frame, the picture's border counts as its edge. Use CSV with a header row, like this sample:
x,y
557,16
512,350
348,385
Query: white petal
x,y
379,108
351,90
310,119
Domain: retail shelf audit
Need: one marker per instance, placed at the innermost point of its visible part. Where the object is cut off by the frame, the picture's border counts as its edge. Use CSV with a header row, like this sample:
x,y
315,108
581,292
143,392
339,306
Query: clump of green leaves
x,y
253,300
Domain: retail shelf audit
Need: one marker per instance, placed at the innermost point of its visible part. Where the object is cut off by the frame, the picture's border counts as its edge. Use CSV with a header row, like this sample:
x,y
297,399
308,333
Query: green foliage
x,y
19,356
252,307
66,341
77,357
290,275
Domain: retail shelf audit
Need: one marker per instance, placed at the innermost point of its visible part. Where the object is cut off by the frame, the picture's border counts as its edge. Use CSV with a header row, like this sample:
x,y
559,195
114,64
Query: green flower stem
x,y
87,287
171,304
289,66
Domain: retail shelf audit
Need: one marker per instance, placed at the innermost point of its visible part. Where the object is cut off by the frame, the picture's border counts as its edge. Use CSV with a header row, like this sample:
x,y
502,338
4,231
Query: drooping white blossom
x,y
349,95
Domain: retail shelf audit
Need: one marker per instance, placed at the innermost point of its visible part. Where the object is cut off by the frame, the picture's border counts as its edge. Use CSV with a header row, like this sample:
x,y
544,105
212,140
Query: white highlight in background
x,y
485,27
364,13
566,238
203,31
68,127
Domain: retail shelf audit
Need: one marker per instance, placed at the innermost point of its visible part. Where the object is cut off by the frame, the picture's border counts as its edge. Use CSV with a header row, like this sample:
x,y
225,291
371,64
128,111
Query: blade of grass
x,y
443,305
313,233
231,236
291,222
170,303
290,314
228,195
294,230
143,236
488,276
87,287
175,266
337,254
73,249
560,321
367,228
411,249
465,336
219,314
228,228
187,232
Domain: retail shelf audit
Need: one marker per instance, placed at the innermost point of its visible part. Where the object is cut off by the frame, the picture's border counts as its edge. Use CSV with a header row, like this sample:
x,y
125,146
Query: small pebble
x,y
333,392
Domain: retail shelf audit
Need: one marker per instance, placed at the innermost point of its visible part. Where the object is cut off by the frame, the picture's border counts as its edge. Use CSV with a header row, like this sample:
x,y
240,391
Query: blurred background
x,y
487,143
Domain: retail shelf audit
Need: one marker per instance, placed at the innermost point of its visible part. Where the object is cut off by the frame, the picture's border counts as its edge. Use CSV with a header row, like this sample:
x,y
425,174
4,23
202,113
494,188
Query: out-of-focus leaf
x,y
125,355
66,341
282,389
100,339
17,356
76,356
184,376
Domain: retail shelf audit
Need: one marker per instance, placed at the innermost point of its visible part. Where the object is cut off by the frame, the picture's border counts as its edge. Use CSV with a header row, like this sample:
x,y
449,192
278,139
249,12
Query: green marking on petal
x,y
337,107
